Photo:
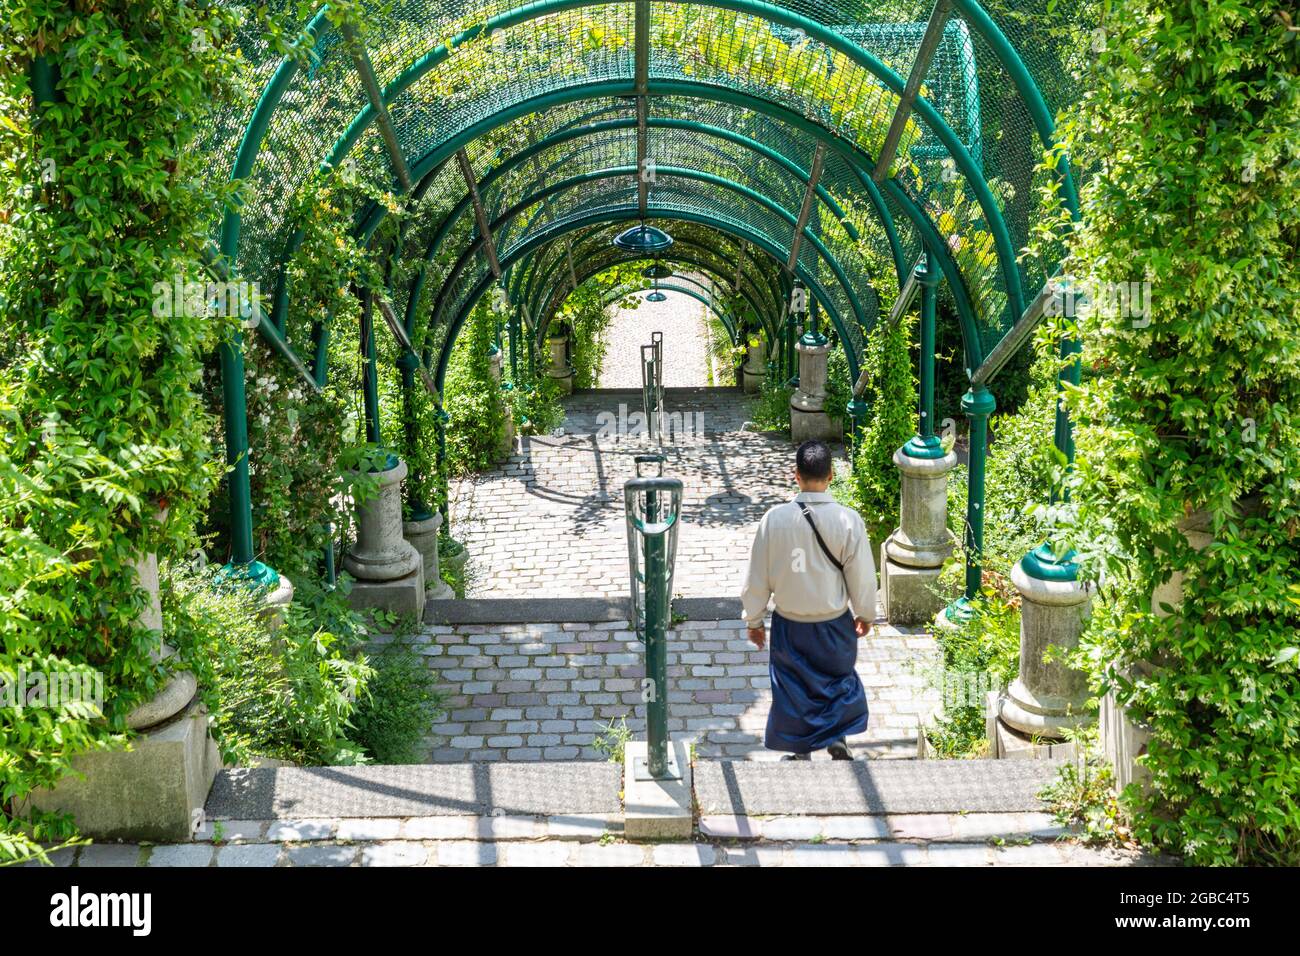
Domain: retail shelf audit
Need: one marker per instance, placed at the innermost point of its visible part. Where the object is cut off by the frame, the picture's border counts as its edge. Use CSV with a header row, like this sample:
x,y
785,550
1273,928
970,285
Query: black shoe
x,y
797,757
839,750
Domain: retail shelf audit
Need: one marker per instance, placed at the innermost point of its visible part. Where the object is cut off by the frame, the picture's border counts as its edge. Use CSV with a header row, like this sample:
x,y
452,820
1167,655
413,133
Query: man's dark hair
x,y
813,459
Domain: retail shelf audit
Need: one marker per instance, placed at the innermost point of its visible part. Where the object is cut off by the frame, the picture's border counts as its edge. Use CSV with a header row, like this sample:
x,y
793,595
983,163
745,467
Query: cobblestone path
x,y
547,691
550,521
680,319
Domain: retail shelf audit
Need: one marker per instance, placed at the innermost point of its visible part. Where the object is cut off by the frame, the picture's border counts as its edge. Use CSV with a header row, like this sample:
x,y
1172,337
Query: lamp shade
x,y
643,239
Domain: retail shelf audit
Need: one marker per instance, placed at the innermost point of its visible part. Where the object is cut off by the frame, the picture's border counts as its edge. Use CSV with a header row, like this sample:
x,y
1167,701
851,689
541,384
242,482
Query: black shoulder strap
x,y
807,513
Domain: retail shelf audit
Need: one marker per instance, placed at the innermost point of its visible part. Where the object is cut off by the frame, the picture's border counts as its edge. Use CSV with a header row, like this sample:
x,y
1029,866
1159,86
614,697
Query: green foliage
x,y
104,201
288,694
891,421
838,387
537,407
978,655
1194,410
472,397
1021,469
612,740
400,707
1083,793
771,411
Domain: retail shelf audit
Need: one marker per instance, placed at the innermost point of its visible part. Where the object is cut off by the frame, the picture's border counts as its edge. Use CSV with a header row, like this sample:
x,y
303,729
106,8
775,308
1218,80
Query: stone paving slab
x,y
746,789
683,322
950,827
555,853
305,793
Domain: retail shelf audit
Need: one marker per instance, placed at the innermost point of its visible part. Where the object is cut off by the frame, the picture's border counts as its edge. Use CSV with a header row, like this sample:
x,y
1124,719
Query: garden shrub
x,y
400,707
978,655
288,694
471,397
891,420
771,411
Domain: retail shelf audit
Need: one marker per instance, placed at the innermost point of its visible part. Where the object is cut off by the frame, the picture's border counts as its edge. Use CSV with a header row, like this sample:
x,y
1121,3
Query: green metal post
x,y
978,404
369,370
656,641
442,419
1070,374
1043,562
514,345
926,444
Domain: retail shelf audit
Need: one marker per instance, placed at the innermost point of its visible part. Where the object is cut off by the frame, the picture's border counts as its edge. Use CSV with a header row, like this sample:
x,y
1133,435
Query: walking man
x,y
813,555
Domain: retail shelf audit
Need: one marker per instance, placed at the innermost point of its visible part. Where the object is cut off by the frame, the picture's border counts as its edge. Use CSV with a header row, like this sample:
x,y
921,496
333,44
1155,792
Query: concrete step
x,y
870,787
566,610
943,801
416,790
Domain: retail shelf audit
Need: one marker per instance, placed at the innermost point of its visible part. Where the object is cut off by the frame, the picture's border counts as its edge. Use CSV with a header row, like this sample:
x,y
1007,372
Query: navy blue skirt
x,y
817,697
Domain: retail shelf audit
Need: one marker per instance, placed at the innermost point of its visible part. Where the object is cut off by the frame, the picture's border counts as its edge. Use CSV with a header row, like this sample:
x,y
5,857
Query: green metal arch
x,y
654,122
371,216
625,215
726,318
811,28
850,152
272,94
769,286
621,171
562,292
543,304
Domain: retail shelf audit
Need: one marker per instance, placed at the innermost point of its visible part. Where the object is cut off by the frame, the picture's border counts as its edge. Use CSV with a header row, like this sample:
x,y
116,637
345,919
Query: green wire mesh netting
x,y
737,104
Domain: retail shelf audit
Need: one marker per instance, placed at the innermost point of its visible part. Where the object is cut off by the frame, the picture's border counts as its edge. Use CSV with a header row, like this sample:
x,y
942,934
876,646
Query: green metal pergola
x,y
805,141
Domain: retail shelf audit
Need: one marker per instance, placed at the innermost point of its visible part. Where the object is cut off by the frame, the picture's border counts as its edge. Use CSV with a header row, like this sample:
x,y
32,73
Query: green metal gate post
x,y
978,404
369,369
926,444
656,642
653,511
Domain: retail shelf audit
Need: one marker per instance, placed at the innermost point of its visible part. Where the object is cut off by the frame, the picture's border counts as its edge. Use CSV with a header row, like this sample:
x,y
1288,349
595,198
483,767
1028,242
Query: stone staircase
x,y
868,813
569,813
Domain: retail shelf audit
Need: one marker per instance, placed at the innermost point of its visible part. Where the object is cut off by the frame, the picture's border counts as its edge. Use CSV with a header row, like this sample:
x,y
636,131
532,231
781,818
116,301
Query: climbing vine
x,y
1190,414
104,204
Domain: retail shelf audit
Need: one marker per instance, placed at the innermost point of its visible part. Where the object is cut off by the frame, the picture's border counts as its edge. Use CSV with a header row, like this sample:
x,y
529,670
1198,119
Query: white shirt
x,y
787,562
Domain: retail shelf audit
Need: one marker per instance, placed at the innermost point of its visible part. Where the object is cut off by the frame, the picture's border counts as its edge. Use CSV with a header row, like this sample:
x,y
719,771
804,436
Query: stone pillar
x,y
507,447
808,416
914,554
753,370
1123,738
279,597
559,368
1047,698
389,572
156,790
422,533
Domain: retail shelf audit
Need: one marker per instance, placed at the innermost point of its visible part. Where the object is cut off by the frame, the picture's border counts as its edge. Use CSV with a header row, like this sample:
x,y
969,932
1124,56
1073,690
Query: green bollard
x,y
653,509
978,404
